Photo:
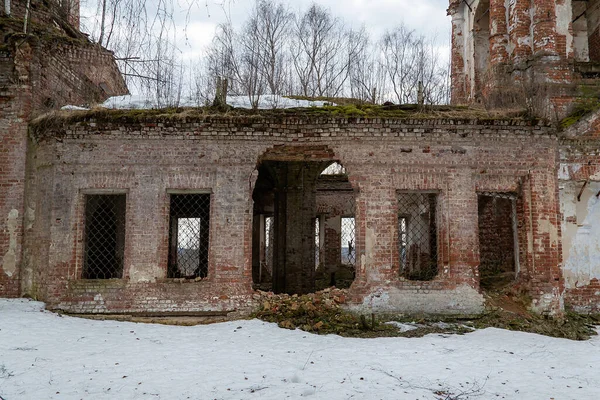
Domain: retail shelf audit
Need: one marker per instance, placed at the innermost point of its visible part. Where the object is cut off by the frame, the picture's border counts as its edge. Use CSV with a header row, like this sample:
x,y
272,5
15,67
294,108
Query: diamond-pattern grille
x,y
348,239
189,235
417,235
104,236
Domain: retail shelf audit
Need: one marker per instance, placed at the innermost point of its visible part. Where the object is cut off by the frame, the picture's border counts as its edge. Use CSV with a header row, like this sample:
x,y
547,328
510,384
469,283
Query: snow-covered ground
x,y
46,356
265,102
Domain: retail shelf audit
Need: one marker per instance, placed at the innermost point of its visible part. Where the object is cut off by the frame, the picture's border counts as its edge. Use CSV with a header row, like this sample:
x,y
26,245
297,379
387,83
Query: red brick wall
x,y
15,105
455,157
35,76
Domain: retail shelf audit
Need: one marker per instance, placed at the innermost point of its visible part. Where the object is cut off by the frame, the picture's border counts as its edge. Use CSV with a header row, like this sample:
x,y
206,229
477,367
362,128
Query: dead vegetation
x,y
324,313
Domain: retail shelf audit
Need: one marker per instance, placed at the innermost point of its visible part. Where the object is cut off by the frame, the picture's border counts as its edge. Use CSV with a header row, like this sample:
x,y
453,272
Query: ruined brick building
x,y
162,212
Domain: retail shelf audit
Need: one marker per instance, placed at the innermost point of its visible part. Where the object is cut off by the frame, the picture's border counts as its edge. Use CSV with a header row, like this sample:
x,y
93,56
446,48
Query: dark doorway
x,y
290,224
498,241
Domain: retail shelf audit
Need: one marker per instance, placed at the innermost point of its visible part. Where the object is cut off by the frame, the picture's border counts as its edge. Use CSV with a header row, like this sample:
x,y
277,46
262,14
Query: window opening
x,y
334,169
417,235
348,241
104,236
189,234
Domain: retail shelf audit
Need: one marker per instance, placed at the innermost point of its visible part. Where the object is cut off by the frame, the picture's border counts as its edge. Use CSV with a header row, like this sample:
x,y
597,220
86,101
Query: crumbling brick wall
x,y
145,159
39,71
579,183
529,46
47,12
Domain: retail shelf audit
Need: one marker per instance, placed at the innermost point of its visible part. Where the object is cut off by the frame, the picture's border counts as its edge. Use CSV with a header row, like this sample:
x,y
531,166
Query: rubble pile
x,y
319,312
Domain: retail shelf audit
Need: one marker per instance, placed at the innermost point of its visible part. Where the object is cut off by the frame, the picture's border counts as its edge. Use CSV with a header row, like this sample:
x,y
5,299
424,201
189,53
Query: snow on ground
x,y
46,356
265,102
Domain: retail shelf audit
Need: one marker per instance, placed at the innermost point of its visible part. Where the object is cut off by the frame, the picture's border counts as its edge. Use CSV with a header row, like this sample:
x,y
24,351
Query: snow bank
x,y
266,102
46,356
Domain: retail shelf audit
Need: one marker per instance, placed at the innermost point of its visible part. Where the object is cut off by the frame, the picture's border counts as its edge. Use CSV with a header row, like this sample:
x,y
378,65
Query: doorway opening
x,y
498,239
298,206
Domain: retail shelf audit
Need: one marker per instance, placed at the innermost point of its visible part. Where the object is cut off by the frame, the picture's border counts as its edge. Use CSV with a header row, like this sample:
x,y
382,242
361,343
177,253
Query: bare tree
x,y
411,60
275,52
316,52
269,28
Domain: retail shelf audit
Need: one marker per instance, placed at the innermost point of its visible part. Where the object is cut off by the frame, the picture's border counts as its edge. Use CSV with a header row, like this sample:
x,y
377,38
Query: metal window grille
x,y
417,235
317,242
104,236
348,241
189,235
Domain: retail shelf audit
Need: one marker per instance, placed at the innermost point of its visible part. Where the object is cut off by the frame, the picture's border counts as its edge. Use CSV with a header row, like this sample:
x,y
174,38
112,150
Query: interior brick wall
x,y
496,240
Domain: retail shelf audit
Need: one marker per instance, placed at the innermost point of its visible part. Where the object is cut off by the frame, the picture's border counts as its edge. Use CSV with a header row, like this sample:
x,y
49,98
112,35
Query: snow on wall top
x,y
266,102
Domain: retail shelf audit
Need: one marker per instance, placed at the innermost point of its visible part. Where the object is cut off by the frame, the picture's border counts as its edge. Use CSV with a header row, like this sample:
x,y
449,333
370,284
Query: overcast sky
x,y
425,16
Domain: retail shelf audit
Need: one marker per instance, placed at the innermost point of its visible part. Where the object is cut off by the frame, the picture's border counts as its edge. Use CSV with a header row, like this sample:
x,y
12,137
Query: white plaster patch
x,y
147,274
564,15
545,226
583,262
9,261
563,172
29,218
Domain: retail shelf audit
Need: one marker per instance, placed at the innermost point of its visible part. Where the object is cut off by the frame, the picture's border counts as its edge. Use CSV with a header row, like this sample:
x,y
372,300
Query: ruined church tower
x,y
503,50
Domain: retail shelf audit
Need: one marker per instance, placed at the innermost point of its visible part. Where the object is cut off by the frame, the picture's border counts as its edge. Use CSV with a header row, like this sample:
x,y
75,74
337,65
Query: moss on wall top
x,y
61,120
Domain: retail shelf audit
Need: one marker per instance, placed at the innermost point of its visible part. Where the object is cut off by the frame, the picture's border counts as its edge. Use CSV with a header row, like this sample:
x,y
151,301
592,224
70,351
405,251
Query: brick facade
x,y
269,163
146,159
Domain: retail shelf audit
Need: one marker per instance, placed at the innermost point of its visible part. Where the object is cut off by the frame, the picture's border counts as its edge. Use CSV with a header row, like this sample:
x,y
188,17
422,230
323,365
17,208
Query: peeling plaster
x,y
144,275
545,226
370,241
29,218
9,261
564,15
582,239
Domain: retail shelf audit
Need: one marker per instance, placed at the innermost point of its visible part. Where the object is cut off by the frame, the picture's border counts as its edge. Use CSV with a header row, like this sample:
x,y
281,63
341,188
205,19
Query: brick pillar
x,y
544,241
294,244
377,220
463,229
519,28
332,242
15,108
498,33
459,90
544,28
